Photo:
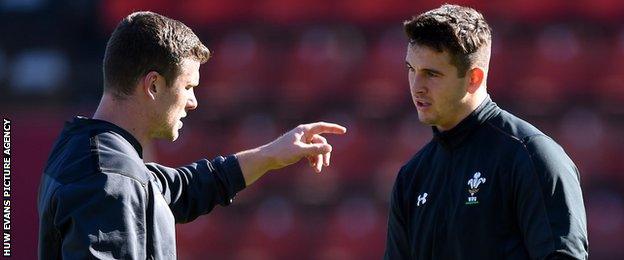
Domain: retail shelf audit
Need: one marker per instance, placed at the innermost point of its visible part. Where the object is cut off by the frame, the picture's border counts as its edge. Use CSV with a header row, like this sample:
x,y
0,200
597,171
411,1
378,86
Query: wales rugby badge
x,y
473,188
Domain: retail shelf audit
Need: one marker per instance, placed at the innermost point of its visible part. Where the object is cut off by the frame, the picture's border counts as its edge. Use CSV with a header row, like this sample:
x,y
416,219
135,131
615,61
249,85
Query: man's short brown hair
x,y
144,42
462,31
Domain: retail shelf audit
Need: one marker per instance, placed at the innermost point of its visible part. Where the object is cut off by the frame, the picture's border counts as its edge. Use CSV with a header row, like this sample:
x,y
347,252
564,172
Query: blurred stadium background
x,y
277,63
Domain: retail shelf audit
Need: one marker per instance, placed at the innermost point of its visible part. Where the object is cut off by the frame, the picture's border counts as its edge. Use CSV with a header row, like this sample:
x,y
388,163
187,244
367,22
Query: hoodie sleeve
x,y
548,201
397,245
195,189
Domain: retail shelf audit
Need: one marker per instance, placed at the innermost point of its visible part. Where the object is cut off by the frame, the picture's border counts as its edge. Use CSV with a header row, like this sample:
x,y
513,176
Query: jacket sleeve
x,y
101,217
397,245
195,189
548,201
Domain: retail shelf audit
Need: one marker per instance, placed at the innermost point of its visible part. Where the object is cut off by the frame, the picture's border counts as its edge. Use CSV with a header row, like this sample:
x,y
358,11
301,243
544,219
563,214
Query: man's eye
x,y
431,74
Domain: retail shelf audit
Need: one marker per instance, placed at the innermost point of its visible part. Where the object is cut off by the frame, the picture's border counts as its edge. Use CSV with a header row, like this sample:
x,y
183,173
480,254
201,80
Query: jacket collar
x,y
455,136
81,123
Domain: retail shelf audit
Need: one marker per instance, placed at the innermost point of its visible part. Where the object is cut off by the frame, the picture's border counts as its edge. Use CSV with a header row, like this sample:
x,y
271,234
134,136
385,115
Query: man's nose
x,y
418,86
192,101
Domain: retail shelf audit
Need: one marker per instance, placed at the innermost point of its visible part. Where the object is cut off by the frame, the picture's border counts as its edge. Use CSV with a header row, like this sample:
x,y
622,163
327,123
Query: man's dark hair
x,y
144,42
462,31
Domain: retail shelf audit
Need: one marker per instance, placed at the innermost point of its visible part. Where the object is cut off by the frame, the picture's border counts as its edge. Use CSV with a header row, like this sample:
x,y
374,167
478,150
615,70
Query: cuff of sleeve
x,y
233,168
231,177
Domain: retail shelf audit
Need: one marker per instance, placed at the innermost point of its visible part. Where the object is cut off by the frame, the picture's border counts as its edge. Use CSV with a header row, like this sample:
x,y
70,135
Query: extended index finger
x,y
324,128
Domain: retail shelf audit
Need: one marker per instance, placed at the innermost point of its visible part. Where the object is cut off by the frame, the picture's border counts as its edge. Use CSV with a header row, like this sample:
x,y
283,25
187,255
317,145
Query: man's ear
x,y
475,78
149,84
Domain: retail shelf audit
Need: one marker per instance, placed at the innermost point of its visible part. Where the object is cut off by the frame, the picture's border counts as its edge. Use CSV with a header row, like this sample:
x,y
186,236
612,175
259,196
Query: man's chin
x,y
425,120
171,137
174,136
168,135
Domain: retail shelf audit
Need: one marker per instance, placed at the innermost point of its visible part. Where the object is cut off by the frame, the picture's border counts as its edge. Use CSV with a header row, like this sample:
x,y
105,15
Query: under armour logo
x,y
422,199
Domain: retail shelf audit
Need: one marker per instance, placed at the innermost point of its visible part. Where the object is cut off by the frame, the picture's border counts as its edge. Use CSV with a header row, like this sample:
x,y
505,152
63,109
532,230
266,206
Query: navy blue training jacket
x,y
98,199
493,187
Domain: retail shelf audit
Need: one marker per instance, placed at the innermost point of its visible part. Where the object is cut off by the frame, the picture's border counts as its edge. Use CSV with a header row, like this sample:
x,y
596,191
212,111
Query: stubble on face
x,y
176,100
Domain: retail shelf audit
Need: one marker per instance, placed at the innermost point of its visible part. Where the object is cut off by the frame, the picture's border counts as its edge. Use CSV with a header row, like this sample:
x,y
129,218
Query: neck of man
x,y
470,105
125,113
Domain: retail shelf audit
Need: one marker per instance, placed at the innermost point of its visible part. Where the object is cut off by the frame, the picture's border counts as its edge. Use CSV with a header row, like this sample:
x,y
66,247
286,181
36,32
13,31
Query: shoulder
x,y
538,155
532,148
533,143
512,127
518,135
547,157
116,156
80,155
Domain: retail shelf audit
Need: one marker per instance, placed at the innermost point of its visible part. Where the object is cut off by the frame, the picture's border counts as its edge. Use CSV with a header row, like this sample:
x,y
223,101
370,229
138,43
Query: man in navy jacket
x,y
98,199
488,185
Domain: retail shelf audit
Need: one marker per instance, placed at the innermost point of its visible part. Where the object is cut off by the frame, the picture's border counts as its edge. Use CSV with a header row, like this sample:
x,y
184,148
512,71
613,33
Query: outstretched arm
x,y
195,189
